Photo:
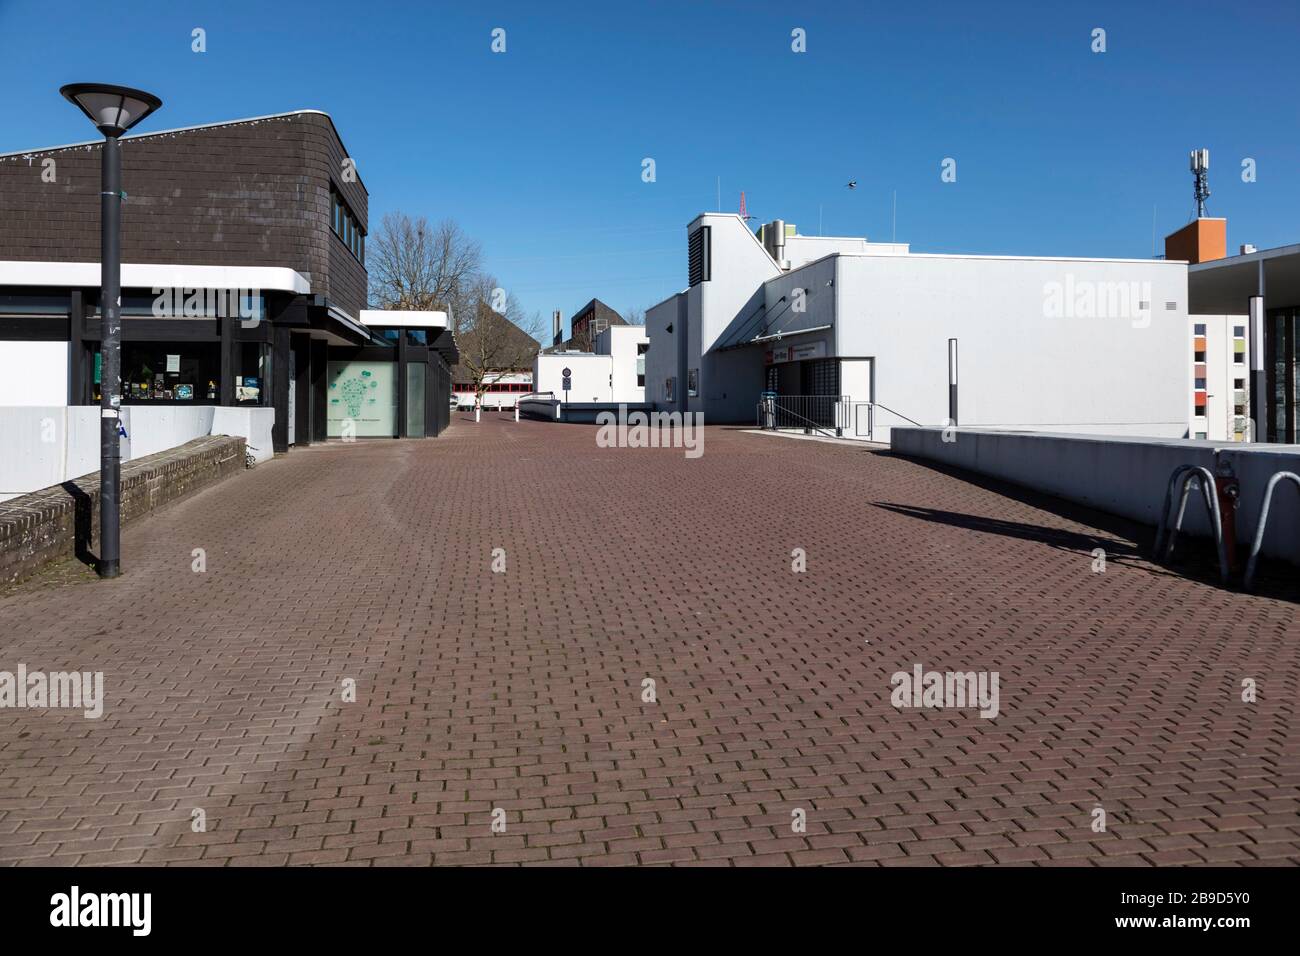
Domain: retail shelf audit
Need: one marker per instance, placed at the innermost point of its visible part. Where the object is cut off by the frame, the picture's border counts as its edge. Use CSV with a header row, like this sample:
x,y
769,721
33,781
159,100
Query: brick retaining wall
x,y
63,520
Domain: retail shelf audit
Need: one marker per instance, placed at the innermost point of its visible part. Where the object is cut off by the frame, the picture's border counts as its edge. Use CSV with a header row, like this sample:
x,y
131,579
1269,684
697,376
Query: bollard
x,y
1228,492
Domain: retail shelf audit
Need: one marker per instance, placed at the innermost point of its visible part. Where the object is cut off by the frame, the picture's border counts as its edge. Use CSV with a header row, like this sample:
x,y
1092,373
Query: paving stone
x,y
522,691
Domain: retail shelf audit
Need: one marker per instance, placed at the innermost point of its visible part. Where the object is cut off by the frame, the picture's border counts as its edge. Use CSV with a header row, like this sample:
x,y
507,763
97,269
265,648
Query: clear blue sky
x,y
537,152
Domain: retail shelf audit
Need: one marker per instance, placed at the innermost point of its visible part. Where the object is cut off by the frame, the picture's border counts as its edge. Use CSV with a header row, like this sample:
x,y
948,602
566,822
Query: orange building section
x,y
1201,241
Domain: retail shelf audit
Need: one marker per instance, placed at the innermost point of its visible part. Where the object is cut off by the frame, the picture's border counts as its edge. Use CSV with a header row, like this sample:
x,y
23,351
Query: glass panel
x,y
362,399
187,372
415,399
252,374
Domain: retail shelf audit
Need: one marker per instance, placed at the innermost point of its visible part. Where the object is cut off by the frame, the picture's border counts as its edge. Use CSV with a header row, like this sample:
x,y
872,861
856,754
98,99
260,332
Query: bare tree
x,y
493,335
634,316
416,266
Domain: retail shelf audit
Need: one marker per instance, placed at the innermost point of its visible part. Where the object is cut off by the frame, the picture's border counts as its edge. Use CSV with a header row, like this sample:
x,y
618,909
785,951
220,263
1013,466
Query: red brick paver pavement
x,y
523,690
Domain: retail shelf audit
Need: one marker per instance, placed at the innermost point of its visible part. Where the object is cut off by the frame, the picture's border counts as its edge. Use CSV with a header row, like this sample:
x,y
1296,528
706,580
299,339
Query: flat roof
x,y
1225,286
155,276
404,318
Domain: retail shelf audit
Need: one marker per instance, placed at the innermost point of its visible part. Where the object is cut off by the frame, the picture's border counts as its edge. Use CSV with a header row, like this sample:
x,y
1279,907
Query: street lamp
x,y
113,110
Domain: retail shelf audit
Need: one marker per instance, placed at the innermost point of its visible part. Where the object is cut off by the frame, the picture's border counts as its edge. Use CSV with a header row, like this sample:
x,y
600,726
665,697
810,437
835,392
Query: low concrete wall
x,y
546,409
46,444
585,413
63,520
251,424
1121,475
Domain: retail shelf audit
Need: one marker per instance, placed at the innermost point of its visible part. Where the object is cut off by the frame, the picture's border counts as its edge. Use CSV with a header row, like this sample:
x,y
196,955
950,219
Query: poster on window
x,y
362,399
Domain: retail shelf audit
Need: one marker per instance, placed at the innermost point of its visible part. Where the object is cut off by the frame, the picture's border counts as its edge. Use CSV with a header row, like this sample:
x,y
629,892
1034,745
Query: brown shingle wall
x,y
248,194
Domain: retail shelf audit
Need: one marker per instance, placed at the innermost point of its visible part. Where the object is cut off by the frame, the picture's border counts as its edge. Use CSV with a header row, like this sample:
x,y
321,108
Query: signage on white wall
x,y
795,353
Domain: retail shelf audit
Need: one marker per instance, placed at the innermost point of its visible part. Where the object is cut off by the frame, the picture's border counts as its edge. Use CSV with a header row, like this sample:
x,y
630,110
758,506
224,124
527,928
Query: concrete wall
x,y
667,355
800,250
1122,475
252,424
46,445
62,521
34,373
620,343
590,378
1023,364
740,266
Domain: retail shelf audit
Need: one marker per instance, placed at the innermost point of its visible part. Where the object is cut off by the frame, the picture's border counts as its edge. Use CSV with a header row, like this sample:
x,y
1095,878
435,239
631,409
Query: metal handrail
x,y
899,414
1186,474
777,411
806,423
1263,521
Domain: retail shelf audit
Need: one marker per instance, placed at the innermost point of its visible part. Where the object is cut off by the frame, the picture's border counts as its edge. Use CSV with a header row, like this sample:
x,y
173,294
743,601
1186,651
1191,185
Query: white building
x,y
614,373
1051,344
1218,404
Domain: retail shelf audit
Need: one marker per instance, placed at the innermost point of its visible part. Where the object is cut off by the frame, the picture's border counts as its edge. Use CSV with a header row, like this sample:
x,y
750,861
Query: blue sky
x,y
537,152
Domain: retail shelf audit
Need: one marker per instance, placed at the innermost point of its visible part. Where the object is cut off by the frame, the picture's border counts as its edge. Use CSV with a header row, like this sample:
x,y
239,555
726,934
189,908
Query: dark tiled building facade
x,y
277,191
248,193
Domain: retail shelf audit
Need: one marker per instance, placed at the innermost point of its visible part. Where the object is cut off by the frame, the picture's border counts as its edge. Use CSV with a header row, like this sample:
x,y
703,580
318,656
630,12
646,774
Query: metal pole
x,y
952,381
110,376
1258,379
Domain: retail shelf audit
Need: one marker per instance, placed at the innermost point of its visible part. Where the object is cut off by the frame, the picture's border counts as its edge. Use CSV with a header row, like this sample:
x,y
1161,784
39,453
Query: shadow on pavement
x,y
1056,537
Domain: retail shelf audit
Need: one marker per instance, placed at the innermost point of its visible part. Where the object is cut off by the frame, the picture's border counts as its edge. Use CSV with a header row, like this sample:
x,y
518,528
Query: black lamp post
x,y
113,110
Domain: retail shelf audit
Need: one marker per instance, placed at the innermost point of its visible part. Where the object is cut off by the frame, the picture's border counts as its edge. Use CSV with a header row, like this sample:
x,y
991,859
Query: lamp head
x,y
113,109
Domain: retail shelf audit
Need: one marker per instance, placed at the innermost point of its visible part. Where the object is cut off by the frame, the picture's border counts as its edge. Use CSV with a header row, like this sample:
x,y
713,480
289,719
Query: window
x,y
1200,383
697,255
641,349
185,372
670,389
1199,357
1239,331
692,383
1201,436
1238,358
346,226
1199,328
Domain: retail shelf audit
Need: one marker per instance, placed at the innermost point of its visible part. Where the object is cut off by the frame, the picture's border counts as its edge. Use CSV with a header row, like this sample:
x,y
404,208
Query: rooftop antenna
x,y
1200,165
744,213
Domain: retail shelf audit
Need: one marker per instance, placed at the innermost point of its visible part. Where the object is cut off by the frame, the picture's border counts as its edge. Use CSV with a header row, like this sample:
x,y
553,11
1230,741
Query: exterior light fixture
x,y
952,381
113,110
